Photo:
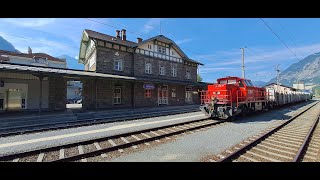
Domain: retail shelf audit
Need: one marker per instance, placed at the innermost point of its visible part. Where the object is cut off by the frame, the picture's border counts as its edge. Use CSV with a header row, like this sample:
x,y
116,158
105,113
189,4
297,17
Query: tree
x,y
199,78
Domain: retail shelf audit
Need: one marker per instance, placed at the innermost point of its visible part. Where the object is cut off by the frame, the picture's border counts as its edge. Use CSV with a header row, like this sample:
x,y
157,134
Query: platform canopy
x,y
50,71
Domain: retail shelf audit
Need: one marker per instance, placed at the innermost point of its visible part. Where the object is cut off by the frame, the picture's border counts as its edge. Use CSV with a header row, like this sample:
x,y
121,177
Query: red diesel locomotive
x,y
232,96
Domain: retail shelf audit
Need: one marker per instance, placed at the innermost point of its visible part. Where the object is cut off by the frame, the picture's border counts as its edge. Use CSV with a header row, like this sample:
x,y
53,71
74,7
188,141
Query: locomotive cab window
x,y
232,81
241,84
229,81
223,82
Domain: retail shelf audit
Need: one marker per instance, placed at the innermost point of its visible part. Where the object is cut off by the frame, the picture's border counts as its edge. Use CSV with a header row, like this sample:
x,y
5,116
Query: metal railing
x,y
224,96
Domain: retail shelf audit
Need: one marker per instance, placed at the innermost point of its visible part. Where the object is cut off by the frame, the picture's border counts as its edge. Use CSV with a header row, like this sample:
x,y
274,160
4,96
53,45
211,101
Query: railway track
x,y
99,149
297,139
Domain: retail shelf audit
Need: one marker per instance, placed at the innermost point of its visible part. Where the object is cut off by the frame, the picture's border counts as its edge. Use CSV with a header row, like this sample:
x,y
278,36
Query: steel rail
x,y
121,146
306,140
74,144
243,149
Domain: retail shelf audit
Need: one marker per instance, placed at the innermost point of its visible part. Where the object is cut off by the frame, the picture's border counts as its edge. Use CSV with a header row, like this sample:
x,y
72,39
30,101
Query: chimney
x,y
118,34
139,40
123,35
29,50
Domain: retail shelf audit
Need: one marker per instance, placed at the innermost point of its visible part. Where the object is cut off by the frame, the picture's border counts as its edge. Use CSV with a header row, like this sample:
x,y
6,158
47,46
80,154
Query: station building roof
x,y
51,71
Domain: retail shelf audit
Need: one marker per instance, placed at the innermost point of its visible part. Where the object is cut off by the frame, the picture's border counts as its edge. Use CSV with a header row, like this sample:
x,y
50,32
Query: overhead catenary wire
x,y
279,38
299,73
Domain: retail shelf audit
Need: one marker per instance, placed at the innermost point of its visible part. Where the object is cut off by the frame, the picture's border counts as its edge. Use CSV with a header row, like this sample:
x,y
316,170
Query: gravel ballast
x,y
194,147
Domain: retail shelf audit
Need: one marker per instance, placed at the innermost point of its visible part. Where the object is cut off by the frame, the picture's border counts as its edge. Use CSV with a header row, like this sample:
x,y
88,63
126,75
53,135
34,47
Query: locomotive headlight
x,y
218,92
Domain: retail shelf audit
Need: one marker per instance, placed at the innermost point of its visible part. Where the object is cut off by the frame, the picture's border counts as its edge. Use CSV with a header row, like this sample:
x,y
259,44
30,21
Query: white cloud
x,y
258,55
205,70
30,22
76,57
40,45
151,24
183,41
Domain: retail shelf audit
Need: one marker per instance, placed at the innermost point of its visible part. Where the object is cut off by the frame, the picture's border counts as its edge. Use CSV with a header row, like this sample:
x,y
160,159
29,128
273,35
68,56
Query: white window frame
x,y
161,49
174,71
188,74
118,64
148,68
117,95
162,70
148,93
188,92
173,92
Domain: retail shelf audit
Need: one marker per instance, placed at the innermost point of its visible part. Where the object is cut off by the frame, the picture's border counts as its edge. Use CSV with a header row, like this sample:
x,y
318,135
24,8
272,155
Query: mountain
x,y
308,70
6,45
258,83
72,63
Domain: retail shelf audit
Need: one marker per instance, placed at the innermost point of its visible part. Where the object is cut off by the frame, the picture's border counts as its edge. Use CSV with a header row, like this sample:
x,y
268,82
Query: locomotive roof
x,y
232,77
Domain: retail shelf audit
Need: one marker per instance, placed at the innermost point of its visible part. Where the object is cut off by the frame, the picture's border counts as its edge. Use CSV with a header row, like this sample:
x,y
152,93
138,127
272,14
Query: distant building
x,y
35,59
21,91
300,85
74,90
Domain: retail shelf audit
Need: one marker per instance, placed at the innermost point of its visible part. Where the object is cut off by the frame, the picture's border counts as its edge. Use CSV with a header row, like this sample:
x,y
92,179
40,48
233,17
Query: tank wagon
x,y
232,96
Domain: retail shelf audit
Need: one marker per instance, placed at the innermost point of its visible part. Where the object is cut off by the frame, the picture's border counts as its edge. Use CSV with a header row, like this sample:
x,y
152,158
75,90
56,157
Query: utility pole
x,y
278,70
243,74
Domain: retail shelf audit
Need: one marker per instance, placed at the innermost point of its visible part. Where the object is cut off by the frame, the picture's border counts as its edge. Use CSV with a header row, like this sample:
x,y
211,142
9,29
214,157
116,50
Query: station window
x,y
174,72
162,71
118,64
117,96
161,49
173,93
188,75
147,93
148,68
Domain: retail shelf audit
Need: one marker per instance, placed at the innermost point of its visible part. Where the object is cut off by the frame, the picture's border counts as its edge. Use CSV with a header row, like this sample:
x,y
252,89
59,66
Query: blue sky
x,y
216,42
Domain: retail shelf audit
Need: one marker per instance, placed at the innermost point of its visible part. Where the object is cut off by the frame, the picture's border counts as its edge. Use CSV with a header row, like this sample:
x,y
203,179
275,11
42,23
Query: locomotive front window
x,y
248,83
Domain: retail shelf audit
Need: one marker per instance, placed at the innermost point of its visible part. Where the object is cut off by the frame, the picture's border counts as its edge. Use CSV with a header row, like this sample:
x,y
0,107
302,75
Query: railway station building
x,y
164,74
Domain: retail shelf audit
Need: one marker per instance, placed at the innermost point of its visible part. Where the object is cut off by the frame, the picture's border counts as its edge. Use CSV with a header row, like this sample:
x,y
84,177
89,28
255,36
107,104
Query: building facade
x,y
19,91
164,74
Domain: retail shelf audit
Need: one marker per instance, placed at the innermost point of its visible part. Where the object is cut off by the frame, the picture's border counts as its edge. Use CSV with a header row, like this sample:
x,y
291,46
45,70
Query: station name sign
x,y
148,86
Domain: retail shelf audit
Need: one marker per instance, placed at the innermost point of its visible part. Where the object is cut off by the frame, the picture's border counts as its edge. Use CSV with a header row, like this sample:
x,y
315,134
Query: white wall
x,y
29,61
154,48
31,90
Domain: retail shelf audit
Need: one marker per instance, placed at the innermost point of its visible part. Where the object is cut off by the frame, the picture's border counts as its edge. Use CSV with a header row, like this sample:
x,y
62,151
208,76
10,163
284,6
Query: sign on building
x,y
148,86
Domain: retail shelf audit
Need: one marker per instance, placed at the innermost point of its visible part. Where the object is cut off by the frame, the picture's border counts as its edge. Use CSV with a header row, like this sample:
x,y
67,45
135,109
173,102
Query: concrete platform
x,y
19,122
